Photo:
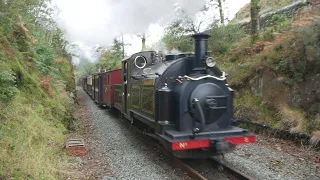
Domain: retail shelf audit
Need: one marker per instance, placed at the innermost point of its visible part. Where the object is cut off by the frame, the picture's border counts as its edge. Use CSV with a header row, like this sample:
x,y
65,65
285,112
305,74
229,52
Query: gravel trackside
x,y
263,161
126,151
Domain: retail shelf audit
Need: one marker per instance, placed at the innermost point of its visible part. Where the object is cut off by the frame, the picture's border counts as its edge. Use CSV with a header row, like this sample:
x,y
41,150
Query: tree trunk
x,y
254,20
143,39
221,12
122,44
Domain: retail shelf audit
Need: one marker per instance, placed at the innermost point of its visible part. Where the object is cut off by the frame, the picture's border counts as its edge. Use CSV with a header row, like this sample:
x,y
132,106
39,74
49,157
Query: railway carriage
x,y
110,79
84,82
89,85
183,100
103,87
96,87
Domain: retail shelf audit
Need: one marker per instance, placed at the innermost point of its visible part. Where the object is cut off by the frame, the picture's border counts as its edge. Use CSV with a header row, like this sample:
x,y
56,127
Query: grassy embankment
x,y
35,109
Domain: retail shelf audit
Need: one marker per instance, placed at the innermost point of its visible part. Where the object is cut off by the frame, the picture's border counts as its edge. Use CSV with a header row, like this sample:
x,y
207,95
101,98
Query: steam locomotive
x,y
183,99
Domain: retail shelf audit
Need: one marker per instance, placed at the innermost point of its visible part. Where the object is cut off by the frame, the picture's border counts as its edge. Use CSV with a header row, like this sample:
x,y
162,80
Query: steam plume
x,y
99,21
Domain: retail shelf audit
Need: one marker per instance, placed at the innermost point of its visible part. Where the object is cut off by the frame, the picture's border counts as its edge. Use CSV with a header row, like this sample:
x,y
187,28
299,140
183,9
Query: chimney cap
x,y
201,36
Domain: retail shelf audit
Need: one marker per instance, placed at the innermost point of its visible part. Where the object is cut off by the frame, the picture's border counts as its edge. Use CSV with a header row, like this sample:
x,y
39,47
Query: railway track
x,y
221,168
229,168
212,168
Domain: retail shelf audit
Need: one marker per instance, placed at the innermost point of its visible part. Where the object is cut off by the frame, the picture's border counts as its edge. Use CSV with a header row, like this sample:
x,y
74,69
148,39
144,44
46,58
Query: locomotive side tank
x,y
185,100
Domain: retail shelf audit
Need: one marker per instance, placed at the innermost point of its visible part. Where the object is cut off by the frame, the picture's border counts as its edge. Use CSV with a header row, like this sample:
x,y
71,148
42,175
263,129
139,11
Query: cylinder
x,y
164,108
201,48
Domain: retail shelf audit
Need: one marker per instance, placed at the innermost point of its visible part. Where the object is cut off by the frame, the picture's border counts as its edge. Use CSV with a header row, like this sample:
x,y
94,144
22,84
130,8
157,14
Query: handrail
x,y
222,78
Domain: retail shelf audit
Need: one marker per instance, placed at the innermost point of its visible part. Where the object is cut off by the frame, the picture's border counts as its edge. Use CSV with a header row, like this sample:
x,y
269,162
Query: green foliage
x,y
268,35
299,55
176,37
224,37
279,24
277,18
239,74
26,151
293,59
59,43
111,59
281,66
45,54
85,68
252,107
7,83
313,124
34,72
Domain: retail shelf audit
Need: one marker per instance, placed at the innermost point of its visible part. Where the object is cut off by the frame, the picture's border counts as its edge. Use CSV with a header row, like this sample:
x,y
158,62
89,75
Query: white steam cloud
x,y
99,21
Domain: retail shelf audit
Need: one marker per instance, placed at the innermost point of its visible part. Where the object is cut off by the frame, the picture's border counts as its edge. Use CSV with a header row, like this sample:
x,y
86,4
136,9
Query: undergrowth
x,y
292,54
36,77
31,127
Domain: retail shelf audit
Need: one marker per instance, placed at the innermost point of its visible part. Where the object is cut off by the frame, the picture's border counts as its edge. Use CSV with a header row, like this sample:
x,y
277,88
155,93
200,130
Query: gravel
x,y
208,169
126,151
263,162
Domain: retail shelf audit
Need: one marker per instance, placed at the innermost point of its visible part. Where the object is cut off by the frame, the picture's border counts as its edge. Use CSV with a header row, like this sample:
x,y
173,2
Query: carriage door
x,y
125,86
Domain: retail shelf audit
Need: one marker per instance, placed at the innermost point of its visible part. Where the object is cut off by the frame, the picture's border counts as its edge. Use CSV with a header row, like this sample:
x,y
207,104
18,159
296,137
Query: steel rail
x,y
235,172
189,170
192,173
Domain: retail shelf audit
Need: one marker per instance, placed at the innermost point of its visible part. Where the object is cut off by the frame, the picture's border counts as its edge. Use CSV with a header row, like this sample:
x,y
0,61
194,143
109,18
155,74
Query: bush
x,y
8,88
300,55
224,37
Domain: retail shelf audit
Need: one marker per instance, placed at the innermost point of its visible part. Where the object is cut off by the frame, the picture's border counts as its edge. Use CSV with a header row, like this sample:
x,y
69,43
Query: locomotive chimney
x,y
201,48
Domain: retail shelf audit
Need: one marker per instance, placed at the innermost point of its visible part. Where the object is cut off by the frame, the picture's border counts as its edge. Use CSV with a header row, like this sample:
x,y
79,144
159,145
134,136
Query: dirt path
x,y
90,166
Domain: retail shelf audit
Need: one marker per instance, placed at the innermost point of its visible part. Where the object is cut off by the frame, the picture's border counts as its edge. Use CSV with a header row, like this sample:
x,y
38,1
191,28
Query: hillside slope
x,y
265,6
36,78
277,80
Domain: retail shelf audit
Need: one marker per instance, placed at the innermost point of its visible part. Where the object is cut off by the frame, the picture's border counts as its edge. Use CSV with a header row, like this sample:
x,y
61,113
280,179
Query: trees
x,y
218,3
111,59
177,34
254,11
221,12
175,37
86,67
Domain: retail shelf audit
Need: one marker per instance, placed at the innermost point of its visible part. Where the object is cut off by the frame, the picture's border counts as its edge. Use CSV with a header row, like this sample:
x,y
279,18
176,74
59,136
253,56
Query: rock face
x,y
274,92
271,88
306,95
